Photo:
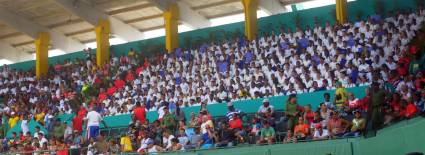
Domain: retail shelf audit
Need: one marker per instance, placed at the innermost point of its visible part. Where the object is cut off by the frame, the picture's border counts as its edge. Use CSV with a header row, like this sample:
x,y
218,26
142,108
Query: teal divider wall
x,y
31,125
359,8
248,106
220,109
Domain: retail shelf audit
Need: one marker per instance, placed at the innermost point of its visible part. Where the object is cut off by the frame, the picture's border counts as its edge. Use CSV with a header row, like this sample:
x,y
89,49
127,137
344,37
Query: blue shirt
x,y
222,67
178,53
207,139
248,57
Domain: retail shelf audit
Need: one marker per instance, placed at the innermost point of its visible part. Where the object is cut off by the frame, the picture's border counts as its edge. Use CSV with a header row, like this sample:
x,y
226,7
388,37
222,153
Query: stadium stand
x,y
331,86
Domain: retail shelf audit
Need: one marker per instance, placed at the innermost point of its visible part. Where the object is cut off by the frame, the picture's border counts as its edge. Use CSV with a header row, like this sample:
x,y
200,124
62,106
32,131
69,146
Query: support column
x,y
250,9
341,11
102,40
42,54
171,20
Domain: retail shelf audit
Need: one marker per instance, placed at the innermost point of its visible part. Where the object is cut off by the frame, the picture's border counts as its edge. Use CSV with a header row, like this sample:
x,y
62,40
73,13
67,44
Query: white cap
x,y
265,100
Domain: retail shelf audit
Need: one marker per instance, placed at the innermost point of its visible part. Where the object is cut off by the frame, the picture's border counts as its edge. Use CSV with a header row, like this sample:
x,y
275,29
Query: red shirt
x,y
77,123
364,103
235,124
140,114
119,83
395,106
402,71
58,67
139,70
98,80
146,64
82,112
111,91
411,110
129,76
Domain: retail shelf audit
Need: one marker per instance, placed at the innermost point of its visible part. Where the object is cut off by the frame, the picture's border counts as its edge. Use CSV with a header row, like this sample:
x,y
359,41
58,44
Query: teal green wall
x,y
267,24
31,126
219,109
248,106
404,137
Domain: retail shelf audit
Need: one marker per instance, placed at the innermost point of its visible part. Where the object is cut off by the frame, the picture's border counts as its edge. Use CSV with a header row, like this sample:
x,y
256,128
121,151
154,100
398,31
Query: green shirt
x,y
267,132
168,121
58,131
291,109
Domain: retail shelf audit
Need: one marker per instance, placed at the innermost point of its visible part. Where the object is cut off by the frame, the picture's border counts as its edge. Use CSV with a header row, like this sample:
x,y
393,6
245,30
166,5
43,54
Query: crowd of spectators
x,y
374,52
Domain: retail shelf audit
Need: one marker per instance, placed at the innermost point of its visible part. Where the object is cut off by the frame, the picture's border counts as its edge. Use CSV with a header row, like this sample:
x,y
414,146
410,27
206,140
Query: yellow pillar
x,y
171,20
102,42
42,54
250,9
341,11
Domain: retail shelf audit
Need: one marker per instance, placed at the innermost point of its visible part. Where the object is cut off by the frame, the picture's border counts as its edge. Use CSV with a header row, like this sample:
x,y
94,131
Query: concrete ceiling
x,y
142,15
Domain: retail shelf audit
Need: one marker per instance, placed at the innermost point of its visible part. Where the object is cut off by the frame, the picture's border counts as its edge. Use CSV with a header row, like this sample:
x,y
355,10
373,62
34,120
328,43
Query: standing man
x,y
93,119
375,112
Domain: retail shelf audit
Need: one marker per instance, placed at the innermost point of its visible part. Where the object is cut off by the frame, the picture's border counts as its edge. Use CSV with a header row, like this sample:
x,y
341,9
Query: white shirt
x,y
167,141
24,126
93,118
324,134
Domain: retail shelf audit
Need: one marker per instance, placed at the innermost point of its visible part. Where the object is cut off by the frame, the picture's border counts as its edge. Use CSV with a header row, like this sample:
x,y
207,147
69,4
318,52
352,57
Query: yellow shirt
x,y
126,143
13,121
40,117
131,53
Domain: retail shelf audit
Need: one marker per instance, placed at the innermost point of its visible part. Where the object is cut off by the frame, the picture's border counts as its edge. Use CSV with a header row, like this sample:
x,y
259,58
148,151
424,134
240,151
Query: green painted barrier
x,y
31,125
220,109
400,139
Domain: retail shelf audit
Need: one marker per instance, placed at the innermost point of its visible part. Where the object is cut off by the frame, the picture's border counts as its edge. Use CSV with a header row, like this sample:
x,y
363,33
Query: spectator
x,y
357,126
168,122
175,145
77,123
231,110
139,113
125,143
320,133
266,107
93,123
301,130
337,126
290,138
267,134
226,136
340,97
291,111
101,146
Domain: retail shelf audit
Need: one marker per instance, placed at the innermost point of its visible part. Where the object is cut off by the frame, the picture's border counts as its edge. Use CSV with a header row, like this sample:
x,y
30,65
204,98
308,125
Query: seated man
x,y
235,124
289,138
225,135
265,108
320,133
267,134
357,126
337,126
301,130
208,138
